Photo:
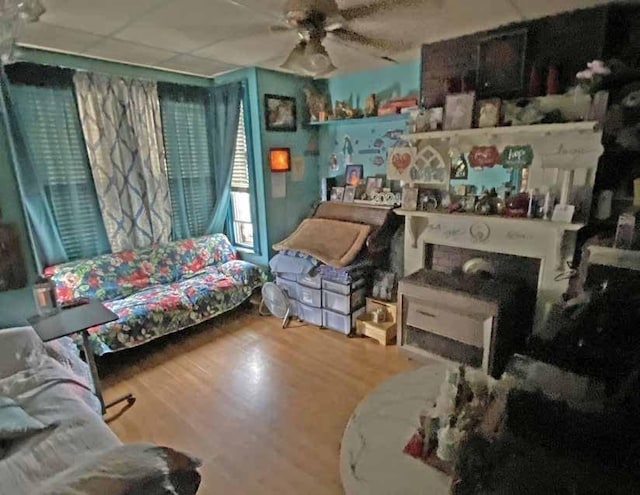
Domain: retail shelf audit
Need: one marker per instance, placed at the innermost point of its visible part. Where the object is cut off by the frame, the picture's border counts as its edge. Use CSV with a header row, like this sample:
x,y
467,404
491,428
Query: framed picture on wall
x,y
353,174
280,113
501,62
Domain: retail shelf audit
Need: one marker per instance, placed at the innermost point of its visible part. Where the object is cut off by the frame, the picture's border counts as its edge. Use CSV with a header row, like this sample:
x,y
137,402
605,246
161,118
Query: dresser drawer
x,y
446,322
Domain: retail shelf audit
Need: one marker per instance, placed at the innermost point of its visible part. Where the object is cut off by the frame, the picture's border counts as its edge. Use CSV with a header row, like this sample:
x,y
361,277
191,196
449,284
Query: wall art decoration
x,y
517,156
280,113
484,156
399,162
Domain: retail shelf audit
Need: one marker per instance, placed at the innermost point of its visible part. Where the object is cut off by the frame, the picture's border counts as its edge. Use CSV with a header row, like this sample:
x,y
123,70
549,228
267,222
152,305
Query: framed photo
x,y
458,111
488,112
353,174
280,113
337,193
409,198
349,194
501,61
459,167
373,185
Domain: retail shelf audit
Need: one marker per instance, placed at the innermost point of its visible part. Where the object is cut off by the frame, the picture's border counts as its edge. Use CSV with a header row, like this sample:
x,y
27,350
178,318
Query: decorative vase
x,y
553,80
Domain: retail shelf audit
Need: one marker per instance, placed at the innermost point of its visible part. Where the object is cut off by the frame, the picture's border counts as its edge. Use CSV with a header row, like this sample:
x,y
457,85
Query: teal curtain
x,y
200,129
224,112
43,232
48,117
186,142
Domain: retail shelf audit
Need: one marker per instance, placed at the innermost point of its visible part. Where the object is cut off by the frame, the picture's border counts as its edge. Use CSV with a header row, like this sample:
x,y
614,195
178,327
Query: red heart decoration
x,y
401,161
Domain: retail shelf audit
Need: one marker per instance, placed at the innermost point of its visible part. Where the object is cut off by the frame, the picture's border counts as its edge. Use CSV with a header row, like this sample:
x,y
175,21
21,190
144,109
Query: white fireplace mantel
x,y
541,239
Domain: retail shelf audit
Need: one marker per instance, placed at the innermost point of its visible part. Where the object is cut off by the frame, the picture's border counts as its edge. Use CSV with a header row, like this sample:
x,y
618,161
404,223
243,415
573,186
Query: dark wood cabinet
x,y
12,268
567,41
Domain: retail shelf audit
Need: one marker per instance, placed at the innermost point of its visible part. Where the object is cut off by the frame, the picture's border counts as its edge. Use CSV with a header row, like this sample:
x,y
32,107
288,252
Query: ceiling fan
x,y
315,20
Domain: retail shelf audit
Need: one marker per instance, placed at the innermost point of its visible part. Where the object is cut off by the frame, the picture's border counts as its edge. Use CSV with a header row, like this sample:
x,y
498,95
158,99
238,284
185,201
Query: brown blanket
x,y
333,242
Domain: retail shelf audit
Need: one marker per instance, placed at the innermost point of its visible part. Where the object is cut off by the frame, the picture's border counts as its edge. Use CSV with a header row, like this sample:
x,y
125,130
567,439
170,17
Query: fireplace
x,y
536,251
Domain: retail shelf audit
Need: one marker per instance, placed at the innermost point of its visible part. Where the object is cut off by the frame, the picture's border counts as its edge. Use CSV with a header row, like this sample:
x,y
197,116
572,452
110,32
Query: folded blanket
x,y
291,262
333,242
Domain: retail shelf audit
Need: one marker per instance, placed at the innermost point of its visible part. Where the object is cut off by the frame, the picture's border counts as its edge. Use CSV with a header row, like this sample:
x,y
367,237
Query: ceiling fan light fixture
x,y
296,59
317,58
31,10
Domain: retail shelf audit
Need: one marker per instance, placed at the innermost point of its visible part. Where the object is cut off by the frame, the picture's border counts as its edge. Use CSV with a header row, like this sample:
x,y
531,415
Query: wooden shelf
x,y
394,117
497,131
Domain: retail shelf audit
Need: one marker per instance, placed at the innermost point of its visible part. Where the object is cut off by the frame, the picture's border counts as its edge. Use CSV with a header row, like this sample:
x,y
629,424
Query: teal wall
x,y
387,82
284,214
370,141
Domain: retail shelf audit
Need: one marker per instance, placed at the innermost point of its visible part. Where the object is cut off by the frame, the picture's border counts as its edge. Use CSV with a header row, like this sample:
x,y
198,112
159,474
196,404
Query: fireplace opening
x,y
507,267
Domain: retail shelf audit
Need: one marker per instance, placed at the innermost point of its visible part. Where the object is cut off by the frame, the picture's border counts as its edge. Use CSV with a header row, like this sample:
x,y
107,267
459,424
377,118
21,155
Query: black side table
x,y
78,320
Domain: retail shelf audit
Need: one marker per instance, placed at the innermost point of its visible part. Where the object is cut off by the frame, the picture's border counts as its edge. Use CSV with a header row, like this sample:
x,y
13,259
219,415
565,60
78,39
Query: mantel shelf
x,y
562,226
497,131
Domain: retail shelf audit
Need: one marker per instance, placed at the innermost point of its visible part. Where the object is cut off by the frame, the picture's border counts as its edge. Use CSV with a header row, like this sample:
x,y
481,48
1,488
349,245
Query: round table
x,y
371,457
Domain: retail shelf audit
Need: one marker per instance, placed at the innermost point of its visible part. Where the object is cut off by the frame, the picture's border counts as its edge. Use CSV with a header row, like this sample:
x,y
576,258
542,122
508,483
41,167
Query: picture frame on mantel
x,y
280,113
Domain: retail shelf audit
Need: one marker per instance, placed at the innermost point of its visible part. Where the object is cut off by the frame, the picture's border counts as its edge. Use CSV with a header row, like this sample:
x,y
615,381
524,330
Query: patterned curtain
x,y
123,133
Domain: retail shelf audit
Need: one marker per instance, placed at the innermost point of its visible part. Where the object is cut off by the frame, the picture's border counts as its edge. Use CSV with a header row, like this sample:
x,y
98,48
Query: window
x,y
186,142
241,210
51,128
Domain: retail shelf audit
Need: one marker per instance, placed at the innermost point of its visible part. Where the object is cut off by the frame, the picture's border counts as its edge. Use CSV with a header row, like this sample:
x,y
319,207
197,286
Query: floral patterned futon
x,y
159,290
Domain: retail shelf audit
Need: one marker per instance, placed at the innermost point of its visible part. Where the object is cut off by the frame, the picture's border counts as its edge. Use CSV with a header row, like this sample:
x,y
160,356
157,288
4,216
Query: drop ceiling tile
x,y
251,49
128,52
96,16
43,35
540,8
196,65
187,25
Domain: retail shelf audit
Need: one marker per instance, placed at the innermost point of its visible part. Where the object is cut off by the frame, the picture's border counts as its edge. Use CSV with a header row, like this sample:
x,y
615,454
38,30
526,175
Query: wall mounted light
x,y
280,159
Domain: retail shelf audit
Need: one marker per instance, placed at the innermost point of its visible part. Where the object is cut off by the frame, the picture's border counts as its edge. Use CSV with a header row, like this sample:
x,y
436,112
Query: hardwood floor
x,y
263,407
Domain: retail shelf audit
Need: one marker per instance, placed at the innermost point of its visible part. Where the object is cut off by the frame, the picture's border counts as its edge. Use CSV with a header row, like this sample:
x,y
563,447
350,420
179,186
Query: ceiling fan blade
x,y
279,28
377,7
349,36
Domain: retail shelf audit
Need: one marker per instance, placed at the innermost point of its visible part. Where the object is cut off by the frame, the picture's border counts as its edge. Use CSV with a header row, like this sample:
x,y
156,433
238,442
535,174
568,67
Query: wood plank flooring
x,y
263,407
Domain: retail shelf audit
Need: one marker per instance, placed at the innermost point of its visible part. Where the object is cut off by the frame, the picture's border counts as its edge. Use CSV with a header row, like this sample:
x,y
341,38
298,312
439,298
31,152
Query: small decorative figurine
x,y
371,106
316,103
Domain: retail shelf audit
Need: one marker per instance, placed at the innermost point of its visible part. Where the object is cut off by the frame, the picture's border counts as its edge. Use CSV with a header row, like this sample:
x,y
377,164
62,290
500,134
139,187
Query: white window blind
x,y
241,211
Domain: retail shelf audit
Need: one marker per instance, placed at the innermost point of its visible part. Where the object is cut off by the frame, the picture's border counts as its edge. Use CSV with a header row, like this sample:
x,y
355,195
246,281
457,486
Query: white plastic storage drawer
x,y
309,314
339,288
344,304
341,323
291,288
313,281
309,296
